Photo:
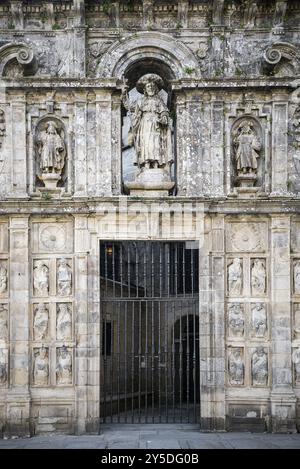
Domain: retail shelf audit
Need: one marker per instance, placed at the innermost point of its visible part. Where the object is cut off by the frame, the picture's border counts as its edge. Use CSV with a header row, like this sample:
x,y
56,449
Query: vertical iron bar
x,y
166,318
146,365
125,362
194,362
104,363
159,362
132,363
173,361
119,352
111,360
180,363
187,365
139,357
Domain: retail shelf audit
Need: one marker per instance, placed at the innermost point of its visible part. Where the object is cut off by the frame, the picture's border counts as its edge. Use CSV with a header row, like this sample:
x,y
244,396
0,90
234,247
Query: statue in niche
x,y
236,320
41,367
41,279
3,279
64,366
259,320
64,278
40,324
64,322
217,13
260,367
151,135
235,273
3,323
51,150
258,277
236,367
246,147
3,367
250,14
297,277
280,10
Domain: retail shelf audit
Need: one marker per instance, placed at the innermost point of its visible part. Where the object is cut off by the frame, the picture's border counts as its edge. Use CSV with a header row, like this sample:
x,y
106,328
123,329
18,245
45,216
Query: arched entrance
x,y
149,332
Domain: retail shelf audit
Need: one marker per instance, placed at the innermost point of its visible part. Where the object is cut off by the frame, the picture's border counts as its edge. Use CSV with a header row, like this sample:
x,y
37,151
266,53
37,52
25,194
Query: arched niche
x,y
41,126
131,76
257,132
148,45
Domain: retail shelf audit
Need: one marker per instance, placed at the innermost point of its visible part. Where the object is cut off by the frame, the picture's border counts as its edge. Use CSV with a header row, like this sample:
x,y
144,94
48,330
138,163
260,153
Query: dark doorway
x,y
149,332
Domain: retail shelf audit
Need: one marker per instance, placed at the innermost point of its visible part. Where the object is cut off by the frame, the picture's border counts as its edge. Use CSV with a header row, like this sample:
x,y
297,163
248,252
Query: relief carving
x,y
246,237
297,277
259,367
51,152
259,320
40,323
41,278
235,277
236,367
236,321
3,366
296,361
3,323
64,366
64,322
53,238
258,277
41,367
64,278
297,321
3,279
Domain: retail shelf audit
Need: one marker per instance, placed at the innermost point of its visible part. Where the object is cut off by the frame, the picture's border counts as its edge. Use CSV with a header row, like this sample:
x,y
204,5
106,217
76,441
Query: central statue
x,y
150,125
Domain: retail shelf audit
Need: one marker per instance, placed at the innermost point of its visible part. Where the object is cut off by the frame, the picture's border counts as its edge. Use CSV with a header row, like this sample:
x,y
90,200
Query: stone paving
x,y
156,437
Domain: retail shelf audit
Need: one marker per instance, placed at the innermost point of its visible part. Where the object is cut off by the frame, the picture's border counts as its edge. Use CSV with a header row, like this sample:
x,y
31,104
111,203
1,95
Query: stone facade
x,y
231,80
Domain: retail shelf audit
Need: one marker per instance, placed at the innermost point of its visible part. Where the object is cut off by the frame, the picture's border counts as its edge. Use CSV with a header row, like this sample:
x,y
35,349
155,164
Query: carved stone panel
x,y
295,237
3,323
259,367
236,320
259,323
296,321
3,366
236,366
3,236
64,277
64,366
296,276
41,321
246,237
296,362
53,237
258,277
3,278
63,321
41,366
41,278
235,277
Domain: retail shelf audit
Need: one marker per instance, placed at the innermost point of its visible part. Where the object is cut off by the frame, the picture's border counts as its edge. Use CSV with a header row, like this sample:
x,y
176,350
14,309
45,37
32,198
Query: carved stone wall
x,y
231,91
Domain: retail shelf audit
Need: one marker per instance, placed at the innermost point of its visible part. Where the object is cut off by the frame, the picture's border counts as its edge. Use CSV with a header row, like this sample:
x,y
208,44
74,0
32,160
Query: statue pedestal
x,y
50,180
151,182
246,179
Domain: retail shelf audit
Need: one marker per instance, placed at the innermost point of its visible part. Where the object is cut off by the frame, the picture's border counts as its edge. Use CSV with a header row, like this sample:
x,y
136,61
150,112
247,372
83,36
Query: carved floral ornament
x,y
282,59
245,237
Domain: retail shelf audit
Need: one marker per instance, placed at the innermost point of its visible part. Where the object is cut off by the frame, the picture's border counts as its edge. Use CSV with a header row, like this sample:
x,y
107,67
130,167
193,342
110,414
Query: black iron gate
x,y
149,367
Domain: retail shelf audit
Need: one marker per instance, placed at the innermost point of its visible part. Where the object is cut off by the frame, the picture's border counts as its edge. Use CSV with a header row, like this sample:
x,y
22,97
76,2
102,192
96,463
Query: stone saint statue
x,y
41,279
64,323
258,277
297,277
247,147
235,277
236,367
150,125
64,366
41,367
260,367
3,367
3,323
3,279
40,325
236,320
259,320
64,278
51,149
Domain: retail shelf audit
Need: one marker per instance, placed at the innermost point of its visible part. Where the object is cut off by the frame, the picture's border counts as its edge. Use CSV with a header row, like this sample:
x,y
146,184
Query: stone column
x,y
279,143
18,399
81,320
116,141
103,142
79,47
18,157
212,345
283,400
217,147
182,140
80,136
